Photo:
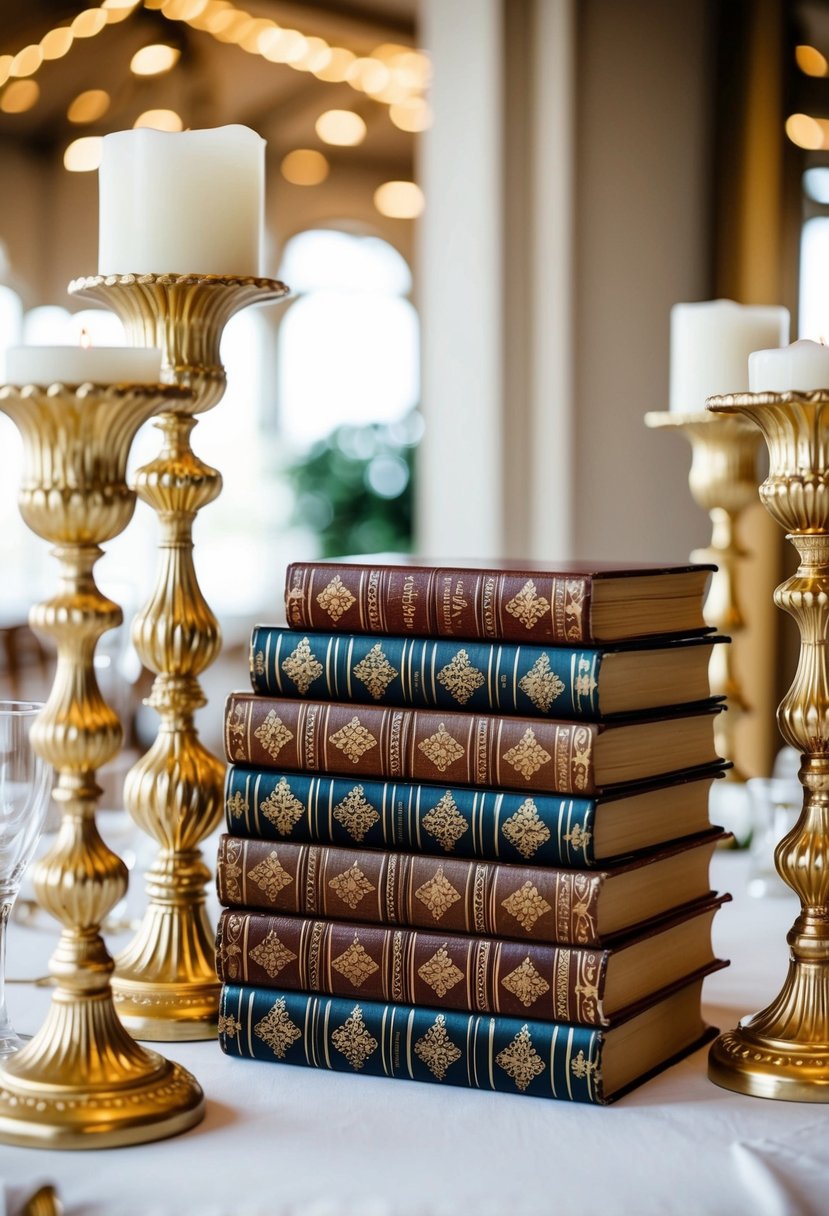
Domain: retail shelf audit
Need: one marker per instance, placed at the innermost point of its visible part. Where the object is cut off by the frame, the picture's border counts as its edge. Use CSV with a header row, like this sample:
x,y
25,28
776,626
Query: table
x,y
296,1142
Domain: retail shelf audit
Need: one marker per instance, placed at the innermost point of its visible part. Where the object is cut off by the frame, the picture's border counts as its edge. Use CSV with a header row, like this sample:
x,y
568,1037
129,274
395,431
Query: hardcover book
x,y
585,985
528,903
544,829
527,754
568,606
483,677
511,1055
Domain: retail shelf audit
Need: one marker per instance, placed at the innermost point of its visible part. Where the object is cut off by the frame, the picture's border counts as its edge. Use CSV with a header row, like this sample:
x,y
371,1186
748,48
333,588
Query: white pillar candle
x,y
710,345
797,368
189,202
83,364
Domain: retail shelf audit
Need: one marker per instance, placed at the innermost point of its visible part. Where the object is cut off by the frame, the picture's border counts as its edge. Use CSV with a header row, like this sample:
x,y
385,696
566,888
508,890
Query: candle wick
x,y
86,341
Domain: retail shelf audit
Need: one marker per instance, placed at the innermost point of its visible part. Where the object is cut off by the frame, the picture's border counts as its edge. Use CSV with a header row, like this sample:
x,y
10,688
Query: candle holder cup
x,y
723,481
165,983
82,1082
783,1051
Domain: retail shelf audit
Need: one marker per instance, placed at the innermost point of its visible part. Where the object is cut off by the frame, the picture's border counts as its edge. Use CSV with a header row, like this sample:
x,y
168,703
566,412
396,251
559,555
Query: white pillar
x,y
460,288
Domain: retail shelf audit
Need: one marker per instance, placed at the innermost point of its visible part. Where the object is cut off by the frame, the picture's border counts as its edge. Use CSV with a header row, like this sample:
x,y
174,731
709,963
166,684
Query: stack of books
x,y
468,827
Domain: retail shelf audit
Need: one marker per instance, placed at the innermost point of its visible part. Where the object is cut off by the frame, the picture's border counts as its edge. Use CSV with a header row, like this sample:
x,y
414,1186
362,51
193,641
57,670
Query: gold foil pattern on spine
x,y
483,949
354,1040
282,808
302,666
335,599
520,1061
375,672
277,1030
479,900
436,1049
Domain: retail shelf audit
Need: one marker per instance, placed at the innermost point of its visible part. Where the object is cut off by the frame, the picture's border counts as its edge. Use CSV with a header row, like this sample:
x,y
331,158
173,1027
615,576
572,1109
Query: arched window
x,y
348,386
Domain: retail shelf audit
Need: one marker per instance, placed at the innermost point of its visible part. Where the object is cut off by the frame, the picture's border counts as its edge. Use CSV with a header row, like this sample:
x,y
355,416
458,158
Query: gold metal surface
x,y
82,1082
723,481
783,1051
165,983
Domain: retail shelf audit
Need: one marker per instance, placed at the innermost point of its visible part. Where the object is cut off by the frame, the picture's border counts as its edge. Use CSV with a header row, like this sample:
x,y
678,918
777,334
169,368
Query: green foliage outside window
x,y
354,488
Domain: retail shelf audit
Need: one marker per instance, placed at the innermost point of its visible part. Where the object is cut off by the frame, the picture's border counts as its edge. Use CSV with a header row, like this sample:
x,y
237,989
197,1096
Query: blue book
x,y
446,1047
496,677
462,821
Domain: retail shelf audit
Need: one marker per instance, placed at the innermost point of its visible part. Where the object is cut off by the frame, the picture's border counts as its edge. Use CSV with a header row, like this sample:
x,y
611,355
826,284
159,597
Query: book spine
x,y
411,817
439,603
527,903
410,744
521,979
512,1055
422,672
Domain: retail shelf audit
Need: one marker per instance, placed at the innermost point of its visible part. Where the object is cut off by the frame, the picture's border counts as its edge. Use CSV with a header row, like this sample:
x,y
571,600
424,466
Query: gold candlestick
x,y
165,983
82,1082
783,1051
723,481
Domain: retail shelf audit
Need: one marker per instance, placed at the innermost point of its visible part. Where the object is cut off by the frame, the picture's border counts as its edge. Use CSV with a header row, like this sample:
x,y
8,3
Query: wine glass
x,y
25,783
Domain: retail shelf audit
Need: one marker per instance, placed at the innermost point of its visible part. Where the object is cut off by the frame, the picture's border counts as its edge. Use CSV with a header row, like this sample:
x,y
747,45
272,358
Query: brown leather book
x,y
566,605
490,975
471,749
529,903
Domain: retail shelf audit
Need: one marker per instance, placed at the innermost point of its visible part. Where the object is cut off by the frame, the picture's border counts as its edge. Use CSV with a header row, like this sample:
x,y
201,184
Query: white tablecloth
x,y
296,1142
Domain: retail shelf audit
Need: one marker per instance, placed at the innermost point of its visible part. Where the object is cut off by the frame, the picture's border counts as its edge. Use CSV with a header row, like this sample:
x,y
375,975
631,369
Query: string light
x,y
399,200
343,128
393,74
304,167
88,106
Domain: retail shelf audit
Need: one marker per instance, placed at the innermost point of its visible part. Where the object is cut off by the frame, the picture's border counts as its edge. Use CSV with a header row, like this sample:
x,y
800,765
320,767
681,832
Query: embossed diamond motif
x,y
528,606
528,756
335,599
302,666
520,1061
375,671
355,963
526,905
237,805
525,829
272,955
353,740
259,663
277,1030
351,886
441,748
526,983
438,894
355,813
436,1049
541,684
354,1040
460,678
445,822
281,808
273,734
440,973
270,876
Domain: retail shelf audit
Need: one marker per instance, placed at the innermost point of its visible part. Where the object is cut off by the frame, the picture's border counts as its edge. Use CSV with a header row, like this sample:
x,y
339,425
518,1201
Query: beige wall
x,y
642,243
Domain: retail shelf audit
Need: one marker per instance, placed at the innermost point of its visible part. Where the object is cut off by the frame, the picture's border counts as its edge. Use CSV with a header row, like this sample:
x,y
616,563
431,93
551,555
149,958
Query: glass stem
x,y
5,1025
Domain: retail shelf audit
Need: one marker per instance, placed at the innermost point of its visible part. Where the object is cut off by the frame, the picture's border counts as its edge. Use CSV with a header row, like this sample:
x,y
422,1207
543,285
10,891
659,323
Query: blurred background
x,y
485,210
